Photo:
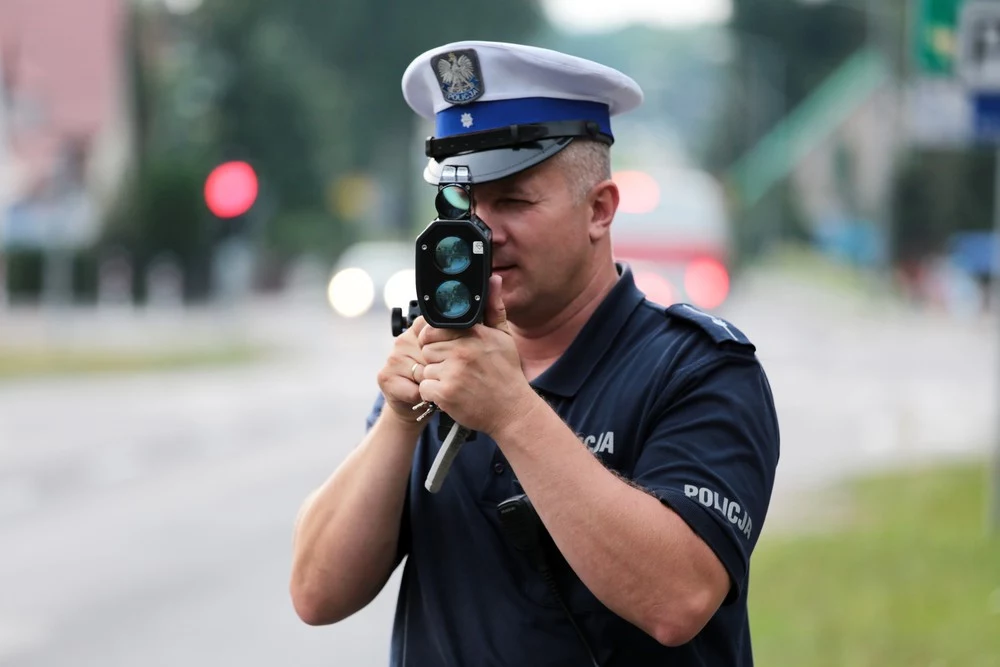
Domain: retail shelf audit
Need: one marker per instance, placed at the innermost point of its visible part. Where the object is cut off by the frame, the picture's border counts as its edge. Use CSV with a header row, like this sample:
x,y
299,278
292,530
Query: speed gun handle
x,y
446,456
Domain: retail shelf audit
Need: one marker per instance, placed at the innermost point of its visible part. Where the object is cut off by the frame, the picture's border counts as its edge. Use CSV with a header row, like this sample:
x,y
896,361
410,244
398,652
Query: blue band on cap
x,y
496,114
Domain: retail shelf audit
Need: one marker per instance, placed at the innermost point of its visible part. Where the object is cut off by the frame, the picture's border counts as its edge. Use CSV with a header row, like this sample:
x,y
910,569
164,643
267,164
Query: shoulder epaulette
x,y
717,328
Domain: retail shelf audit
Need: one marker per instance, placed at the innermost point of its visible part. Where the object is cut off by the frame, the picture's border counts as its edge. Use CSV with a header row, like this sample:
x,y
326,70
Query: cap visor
x,y
486,166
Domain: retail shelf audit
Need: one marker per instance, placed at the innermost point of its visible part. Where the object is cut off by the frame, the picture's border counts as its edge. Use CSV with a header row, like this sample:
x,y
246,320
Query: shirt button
x,y
499,467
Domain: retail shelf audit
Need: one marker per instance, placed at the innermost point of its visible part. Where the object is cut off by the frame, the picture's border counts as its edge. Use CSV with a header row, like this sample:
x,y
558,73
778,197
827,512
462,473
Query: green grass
x,y
35,362
809,265
912,580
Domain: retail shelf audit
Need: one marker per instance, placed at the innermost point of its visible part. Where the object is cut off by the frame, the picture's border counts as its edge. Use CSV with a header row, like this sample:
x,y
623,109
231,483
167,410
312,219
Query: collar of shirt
x,y
565,377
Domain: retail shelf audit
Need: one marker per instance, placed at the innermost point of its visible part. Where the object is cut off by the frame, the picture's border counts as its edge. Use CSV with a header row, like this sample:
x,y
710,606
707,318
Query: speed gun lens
x,y
453,202
452,255
453,299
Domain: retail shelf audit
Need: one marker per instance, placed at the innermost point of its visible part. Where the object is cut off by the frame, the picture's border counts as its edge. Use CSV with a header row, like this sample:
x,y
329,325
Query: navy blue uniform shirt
x,y
672,398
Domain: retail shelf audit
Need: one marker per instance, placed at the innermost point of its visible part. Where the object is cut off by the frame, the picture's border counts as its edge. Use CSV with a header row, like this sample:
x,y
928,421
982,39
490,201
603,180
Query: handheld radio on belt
x,y
526,533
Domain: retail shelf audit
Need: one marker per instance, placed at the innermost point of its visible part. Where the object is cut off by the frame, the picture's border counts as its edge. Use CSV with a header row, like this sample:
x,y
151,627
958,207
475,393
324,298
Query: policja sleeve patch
x,y
717,328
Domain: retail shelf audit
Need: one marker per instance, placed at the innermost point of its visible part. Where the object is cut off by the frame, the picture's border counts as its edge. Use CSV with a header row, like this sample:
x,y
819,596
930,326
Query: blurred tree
x,y
794,46
309,92
938,193
159,208
783,50
25,269
932,196
163,213
370,43
682,72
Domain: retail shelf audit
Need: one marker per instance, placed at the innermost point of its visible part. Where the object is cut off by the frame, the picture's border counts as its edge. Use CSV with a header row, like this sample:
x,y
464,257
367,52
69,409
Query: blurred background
x,y
207,209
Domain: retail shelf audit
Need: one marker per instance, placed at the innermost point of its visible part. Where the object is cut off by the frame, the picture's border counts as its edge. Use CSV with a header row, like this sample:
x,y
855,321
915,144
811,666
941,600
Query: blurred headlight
x,y
351,292
400,289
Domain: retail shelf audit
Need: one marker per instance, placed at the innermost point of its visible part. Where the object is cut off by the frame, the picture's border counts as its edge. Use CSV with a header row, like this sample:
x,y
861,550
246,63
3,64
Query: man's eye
x,y
514,202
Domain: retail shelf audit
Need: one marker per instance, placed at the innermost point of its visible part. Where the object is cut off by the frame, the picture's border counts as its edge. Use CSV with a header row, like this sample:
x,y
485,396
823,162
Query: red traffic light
x,y
231,189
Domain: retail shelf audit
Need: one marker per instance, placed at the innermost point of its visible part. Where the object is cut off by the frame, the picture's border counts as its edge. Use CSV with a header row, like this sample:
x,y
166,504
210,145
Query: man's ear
x,y
603,203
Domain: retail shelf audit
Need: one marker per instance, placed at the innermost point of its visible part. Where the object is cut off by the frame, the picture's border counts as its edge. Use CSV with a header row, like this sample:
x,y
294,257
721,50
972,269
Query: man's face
x,y
541,245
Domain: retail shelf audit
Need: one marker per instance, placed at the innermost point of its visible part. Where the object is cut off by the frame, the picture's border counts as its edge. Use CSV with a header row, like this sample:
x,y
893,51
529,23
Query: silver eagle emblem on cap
x,y
459,75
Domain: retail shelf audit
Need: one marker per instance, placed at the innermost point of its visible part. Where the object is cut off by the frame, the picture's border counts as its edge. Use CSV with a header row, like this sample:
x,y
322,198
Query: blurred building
x,y
65,135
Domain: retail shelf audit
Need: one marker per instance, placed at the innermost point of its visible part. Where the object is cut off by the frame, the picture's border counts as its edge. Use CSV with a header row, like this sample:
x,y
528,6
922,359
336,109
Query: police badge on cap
x,y
459,76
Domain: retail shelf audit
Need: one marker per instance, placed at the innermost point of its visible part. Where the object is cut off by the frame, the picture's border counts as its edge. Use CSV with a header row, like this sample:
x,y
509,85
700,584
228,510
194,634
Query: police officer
x,y
642,437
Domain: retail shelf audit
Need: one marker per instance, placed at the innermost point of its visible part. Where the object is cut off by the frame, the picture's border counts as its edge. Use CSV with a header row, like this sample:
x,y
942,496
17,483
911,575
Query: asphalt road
x,y
147,519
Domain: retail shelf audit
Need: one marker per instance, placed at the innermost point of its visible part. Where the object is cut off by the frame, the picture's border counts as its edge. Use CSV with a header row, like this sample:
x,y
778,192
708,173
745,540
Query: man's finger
x,y
418,325
416,371
496,313
435,353
433,335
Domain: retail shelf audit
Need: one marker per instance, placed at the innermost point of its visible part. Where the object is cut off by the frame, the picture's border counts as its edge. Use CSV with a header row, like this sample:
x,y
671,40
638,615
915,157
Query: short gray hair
x,y
585,163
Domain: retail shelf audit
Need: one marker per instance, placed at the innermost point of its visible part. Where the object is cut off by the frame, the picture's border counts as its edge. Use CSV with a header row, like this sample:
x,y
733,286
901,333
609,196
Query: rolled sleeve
x,y
711,457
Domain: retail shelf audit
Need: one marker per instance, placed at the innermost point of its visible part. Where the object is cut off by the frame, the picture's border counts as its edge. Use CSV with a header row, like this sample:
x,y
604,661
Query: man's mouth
x,y
504,267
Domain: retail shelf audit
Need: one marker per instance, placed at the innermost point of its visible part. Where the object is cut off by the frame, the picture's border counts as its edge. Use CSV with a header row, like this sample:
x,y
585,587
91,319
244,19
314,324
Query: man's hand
x,y
397,380
474,375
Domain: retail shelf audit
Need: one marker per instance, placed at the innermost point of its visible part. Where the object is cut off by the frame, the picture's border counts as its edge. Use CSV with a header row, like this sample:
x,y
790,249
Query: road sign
x,y
939,112
977,64
977,60
935,35
986,118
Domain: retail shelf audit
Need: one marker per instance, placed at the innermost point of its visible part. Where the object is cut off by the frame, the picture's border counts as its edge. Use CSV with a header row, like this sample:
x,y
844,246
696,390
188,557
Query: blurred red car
x,y
673,228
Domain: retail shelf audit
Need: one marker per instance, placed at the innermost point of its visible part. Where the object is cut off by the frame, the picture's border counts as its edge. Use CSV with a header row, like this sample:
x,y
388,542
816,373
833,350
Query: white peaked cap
x,y
475,86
